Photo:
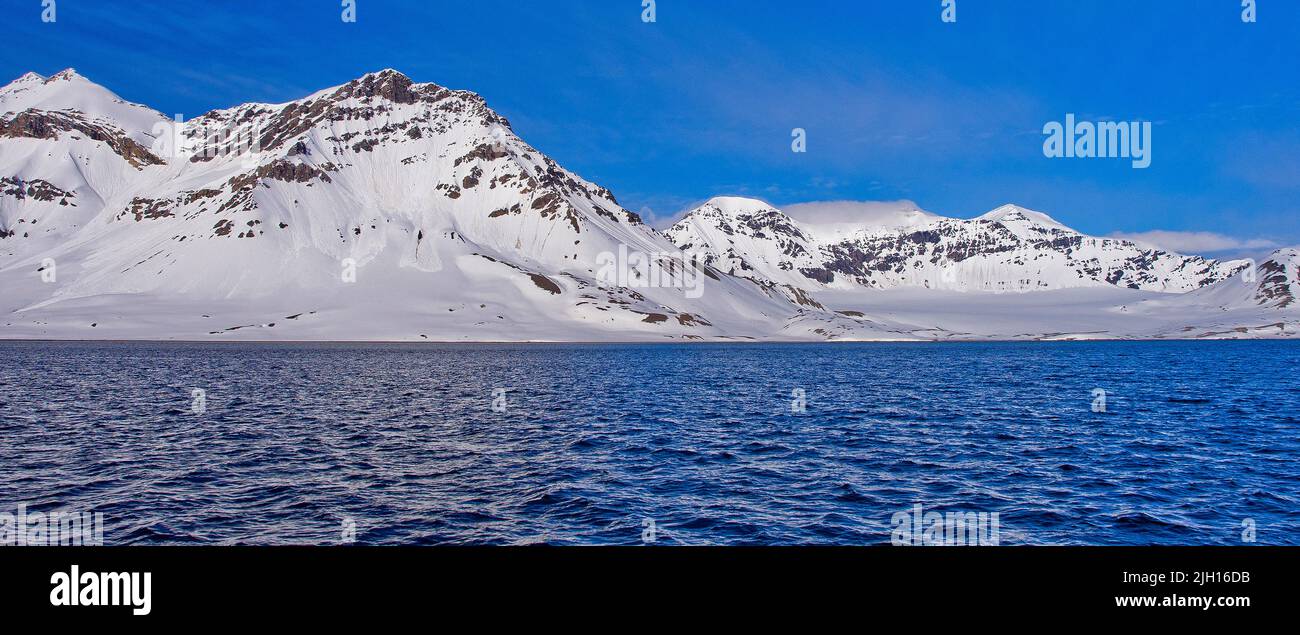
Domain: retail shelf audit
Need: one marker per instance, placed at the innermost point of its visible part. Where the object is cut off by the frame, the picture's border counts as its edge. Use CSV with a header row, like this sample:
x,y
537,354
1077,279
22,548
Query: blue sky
x,y
896,103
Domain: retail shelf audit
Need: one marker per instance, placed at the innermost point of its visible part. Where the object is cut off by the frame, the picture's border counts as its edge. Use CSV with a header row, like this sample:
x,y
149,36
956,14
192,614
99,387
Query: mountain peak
x,y
733,205
388,84
387,72
1012,213
27,82
71,93
32,79
66,75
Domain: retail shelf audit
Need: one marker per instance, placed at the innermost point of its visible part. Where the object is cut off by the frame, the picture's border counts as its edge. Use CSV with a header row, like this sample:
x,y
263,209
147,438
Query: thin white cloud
x,y
1195,242
859,213
865,212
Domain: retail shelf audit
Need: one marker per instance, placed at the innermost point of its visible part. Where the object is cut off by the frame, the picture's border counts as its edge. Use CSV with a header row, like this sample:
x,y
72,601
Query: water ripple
x,y
402,443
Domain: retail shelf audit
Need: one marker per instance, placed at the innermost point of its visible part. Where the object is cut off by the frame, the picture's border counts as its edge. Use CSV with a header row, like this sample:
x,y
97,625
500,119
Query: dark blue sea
x,y
596,444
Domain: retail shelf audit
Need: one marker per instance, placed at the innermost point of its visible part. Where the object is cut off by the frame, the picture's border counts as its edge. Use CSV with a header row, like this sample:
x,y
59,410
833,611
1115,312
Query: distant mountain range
x,y
383,209
1008,249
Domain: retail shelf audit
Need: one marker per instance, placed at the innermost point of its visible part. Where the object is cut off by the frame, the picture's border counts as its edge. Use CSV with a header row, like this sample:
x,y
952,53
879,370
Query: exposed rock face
x,y
142,208
1279,279
545,283
35,124
287,171
35,189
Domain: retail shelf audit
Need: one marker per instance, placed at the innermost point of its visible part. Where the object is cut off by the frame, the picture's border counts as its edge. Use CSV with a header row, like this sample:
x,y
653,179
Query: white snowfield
x,y
384,210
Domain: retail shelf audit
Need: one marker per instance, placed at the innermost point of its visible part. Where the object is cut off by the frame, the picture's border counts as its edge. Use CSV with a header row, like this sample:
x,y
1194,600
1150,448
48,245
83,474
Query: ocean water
x,y
592,444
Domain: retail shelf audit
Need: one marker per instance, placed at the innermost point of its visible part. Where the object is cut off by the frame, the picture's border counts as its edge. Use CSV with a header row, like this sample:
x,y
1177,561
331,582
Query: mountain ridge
x,y
991,252
384,209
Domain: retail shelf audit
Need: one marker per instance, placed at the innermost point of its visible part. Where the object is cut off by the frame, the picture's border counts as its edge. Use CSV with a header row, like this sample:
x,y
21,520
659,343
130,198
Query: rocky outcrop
x,y
37,124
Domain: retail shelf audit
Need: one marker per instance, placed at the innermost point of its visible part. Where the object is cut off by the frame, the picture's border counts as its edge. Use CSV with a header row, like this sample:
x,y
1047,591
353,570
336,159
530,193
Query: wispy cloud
x,y
859,212
1196,242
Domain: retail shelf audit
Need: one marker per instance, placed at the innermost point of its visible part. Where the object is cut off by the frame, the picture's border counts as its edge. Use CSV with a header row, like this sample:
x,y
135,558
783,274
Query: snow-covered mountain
x,y
383,209
379,209
1010,249
67,144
